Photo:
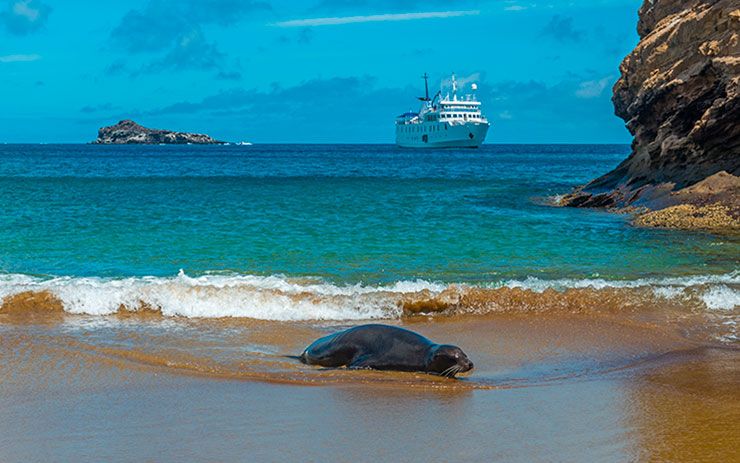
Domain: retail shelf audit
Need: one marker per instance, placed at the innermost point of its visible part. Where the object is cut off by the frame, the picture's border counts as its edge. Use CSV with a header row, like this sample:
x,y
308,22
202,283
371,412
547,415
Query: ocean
x,y
102,226
150,293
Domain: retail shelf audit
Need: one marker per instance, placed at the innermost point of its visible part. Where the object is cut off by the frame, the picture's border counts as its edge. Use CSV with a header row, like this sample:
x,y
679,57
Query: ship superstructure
x,y
443,122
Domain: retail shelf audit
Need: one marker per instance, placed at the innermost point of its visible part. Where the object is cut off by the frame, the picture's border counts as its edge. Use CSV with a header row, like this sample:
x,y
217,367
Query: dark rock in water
x,y
129,132
678,94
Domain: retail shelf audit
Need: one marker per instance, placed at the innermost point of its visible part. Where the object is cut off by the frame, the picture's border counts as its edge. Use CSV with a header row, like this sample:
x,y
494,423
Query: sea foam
x,y
278,297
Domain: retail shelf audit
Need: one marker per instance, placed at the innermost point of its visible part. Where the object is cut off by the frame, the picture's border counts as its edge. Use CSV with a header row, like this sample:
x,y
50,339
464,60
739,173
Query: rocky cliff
x,y
129,132
678,94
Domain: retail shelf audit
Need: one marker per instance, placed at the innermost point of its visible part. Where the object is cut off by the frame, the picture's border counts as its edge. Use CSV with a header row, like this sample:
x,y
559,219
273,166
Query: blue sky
x,y
308,71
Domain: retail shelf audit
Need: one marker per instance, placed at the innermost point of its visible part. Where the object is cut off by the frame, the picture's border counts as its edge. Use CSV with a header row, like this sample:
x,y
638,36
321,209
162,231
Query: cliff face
x,y
678,94
129,132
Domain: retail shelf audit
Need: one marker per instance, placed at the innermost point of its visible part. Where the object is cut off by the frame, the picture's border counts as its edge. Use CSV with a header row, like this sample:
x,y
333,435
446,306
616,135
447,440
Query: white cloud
x,y
593,88
22,8
19,58
515,8
336,20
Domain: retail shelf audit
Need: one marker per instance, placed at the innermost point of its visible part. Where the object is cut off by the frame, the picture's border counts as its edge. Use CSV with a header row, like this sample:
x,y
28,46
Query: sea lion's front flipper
x,y
362,361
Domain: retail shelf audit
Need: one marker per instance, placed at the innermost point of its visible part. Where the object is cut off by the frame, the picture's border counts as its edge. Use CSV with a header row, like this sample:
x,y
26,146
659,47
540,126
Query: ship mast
x,y
426,87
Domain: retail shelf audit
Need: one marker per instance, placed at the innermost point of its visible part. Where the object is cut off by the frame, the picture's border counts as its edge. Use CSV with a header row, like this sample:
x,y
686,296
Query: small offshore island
x,y
128,132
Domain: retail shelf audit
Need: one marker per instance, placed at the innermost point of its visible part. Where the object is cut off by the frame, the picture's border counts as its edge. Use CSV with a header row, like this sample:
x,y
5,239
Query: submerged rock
x,y
129,132
678,93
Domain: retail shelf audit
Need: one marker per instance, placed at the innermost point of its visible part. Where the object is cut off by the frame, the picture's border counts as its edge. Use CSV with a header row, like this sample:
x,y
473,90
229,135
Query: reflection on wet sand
x,y
688,409
583,388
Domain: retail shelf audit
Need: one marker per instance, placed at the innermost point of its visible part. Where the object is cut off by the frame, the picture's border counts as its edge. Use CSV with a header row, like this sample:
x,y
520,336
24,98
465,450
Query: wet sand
x,y
546,388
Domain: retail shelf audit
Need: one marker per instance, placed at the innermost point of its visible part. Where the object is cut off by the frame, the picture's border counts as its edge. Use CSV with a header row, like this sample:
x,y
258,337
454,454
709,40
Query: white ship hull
x,y
441,135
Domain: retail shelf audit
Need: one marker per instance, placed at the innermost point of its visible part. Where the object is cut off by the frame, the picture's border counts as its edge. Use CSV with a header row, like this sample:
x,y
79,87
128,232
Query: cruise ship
x,y
443,122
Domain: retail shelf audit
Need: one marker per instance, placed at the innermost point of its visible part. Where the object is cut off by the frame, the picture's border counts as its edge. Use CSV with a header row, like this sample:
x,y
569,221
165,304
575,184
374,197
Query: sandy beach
x,y
545,388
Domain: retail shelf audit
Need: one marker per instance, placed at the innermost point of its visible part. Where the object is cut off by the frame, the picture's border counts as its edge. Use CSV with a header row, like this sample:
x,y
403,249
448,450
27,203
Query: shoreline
x,y
711,205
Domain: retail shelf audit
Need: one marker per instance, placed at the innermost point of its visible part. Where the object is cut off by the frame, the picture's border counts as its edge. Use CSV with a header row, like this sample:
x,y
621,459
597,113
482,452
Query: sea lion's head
x,y
446,360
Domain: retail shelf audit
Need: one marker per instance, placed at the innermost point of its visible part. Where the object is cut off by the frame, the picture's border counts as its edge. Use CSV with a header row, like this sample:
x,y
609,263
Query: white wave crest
x,y
721,297
214,296
282,298
718,292
539,285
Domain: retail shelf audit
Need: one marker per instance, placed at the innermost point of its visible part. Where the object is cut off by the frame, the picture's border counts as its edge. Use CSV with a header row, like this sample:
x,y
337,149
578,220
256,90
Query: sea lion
x,y
383,347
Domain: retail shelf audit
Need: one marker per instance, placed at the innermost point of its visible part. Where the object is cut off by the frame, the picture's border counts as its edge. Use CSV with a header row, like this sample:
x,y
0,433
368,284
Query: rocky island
x,y
678,94
129,132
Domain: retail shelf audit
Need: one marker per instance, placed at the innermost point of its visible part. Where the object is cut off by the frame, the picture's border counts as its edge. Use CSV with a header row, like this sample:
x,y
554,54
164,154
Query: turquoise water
x,y
336,232
366,213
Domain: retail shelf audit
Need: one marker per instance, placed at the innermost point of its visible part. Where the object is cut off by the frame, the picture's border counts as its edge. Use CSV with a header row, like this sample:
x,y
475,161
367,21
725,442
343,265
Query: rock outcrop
x,y
129,132
679,95
715,217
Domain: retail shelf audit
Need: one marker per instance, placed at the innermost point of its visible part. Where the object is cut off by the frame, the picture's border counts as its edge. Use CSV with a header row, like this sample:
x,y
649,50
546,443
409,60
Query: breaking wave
x,y
283,298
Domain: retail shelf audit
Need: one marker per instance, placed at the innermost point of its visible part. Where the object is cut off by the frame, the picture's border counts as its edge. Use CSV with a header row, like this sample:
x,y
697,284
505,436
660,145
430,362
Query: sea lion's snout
x,y
465,365
449,361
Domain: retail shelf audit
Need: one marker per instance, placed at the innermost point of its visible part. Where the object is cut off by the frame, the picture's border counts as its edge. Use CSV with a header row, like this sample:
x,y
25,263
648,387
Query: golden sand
x,y
30,302
568,387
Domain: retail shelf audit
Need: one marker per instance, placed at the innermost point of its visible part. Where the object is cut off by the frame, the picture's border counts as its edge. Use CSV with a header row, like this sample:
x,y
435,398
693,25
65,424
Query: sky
x,y
309,71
